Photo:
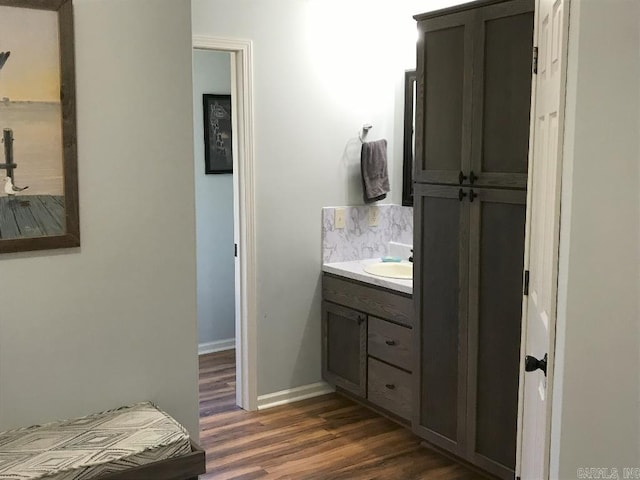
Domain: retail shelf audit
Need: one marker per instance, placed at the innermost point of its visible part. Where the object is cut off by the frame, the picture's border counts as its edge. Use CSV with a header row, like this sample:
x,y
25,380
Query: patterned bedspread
x,y
87,447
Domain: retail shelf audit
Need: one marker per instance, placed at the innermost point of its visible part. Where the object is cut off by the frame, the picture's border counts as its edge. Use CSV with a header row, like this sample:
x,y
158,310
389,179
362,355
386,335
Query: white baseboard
x,y
217,346
293,395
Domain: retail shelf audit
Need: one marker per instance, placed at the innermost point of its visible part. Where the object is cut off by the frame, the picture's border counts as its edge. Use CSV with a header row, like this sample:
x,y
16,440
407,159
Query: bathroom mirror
x,y
409,137
38,159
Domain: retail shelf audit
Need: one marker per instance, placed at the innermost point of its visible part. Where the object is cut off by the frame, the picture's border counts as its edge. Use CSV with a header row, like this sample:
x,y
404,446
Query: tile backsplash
x,y
357,240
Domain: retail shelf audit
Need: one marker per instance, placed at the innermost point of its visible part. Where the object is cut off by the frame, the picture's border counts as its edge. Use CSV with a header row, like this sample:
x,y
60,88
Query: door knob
x,y
531,364
461,177
472,177
461,194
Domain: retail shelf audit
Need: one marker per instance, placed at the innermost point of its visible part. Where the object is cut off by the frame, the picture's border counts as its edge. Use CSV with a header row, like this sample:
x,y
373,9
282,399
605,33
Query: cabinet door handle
x,y
472,177
391,343
361,319
461,194
462,177
472,195
390,386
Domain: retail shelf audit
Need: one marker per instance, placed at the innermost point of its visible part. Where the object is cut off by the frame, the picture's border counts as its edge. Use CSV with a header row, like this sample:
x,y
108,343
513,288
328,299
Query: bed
x,y
128,443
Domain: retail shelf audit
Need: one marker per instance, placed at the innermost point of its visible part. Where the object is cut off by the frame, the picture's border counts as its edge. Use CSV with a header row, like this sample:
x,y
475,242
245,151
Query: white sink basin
x,y
403,270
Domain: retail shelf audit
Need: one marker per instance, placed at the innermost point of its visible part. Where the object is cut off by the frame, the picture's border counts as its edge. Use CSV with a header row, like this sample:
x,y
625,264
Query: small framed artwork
x,y
218,155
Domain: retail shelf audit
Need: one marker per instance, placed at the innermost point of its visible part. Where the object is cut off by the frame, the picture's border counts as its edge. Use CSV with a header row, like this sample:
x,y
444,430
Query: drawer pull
x,y
390,386
391,343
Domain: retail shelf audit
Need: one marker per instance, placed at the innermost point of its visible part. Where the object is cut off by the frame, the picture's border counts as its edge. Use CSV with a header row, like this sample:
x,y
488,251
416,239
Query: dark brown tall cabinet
x,y
470,177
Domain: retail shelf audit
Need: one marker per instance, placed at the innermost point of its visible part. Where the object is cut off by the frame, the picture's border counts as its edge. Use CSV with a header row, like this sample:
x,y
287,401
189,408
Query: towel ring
x,y
363,133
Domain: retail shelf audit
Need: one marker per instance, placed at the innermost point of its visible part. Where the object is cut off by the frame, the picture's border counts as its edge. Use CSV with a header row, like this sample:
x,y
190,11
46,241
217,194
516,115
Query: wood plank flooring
x,y
327,437
217,384
26,216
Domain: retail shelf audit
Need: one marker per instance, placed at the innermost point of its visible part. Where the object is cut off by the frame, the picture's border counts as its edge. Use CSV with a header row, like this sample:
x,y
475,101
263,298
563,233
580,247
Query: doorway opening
x,y
225,226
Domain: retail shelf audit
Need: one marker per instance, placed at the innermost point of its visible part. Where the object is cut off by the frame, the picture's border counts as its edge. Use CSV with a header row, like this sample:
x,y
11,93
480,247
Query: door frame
x,y
241,51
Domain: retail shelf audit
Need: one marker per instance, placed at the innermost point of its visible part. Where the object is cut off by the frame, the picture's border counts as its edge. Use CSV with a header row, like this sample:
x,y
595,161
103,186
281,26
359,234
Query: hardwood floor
x,y
217,384
327,437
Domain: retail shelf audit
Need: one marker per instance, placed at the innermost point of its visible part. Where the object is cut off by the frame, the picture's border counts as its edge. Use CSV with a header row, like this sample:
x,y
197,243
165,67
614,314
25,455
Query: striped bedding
x,y
88,447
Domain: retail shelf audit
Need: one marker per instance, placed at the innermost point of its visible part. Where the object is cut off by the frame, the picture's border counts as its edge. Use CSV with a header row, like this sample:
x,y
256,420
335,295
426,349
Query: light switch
x,y
373,216
339,218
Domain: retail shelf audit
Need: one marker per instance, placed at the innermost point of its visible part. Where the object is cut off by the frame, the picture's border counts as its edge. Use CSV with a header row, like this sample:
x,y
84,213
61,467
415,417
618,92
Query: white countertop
x,y
354,271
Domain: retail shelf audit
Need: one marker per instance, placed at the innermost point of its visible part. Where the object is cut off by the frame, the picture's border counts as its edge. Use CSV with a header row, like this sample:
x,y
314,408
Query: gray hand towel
x,y
373,164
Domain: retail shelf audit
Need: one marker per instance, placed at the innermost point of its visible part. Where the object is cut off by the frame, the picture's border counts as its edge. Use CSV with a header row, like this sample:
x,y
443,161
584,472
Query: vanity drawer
x,y
390,342
374,301
389,388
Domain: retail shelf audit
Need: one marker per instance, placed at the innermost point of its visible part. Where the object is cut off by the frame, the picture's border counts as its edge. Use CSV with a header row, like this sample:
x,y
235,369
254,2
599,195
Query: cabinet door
x,y
503,40
441,229
496,259
474,96
344,348
443,105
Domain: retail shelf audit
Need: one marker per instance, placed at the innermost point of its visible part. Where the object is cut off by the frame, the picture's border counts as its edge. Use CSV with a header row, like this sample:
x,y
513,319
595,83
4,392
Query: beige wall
x,y
114,321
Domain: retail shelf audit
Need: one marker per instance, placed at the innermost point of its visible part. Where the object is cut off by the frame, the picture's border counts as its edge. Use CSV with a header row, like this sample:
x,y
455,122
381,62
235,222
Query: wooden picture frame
x,y
37,219
218,151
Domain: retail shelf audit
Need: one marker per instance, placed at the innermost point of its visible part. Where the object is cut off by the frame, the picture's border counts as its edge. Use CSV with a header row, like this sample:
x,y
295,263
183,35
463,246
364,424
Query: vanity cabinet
x,y
344,345
367,343
473,95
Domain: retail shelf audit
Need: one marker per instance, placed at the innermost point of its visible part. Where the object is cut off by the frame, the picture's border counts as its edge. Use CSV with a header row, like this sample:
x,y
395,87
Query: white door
x,y
543,226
